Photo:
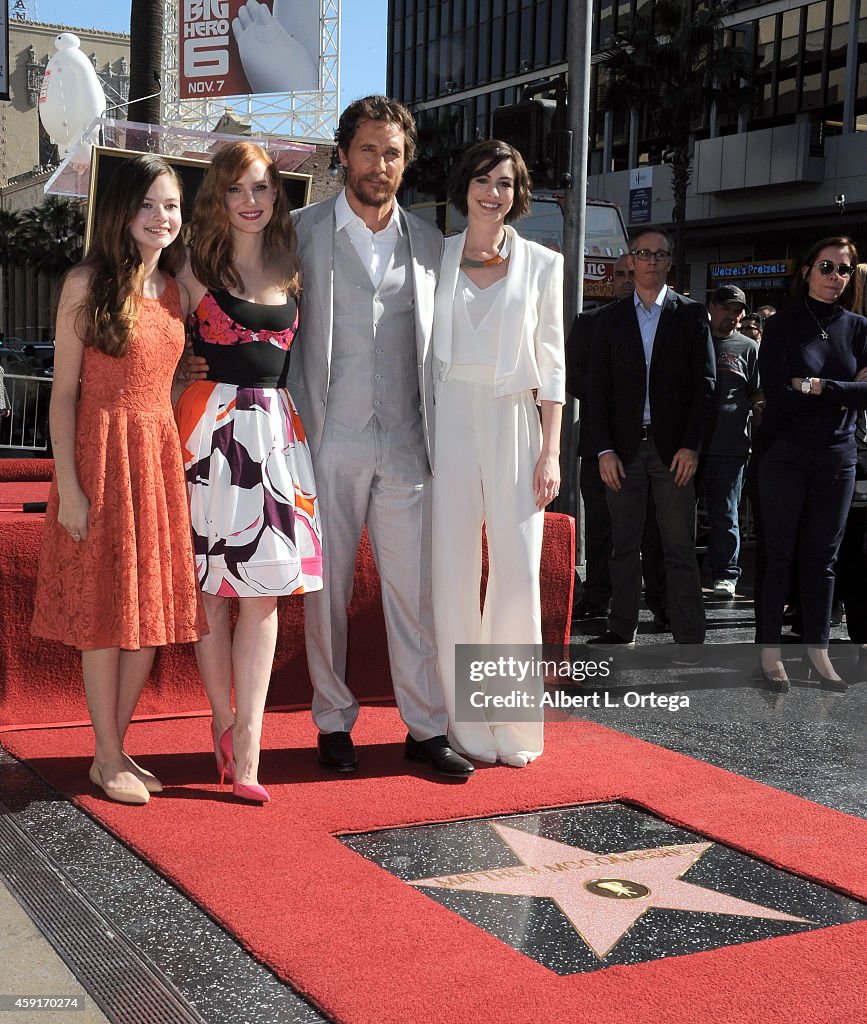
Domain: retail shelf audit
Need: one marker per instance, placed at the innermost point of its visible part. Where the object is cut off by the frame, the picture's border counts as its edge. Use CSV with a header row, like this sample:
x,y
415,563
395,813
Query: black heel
x,y
833,685
777,685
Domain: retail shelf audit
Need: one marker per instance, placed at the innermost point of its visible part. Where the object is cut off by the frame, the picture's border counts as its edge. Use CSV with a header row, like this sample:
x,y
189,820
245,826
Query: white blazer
x,y
531,352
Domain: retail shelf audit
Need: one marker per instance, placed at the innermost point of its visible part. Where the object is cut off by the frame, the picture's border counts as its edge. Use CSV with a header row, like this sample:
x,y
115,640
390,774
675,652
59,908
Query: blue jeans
x,y
721,479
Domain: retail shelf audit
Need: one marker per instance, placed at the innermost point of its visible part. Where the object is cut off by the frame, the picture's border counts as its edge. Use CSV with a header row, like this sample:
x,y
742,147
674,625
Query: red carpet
x,y
370,949
40,681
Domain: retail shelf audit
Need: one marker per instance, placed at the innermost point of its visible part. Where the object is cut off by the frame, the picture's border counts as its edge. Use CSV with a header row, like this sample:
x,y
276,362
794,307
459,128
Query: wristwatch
x,y
806,385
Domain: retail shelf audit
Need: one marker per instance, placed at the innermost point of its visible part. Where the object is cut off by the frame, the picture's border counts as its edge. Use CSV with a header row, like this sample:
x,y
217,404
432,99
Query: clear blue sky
x,y
363,36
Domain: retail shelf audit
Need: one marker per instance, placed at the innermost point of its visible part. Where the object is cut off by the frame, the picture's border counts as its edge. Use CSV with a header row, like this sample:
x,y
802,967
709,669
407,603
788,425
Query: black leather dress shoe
x,y
336,750
437,752
660,621
585,610
610,639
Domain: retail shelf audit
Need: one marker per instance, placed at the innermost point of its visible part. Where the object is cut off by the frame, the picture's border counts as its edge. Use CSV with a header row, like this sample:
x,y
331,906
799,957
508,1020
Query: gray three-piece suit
x,y
361,378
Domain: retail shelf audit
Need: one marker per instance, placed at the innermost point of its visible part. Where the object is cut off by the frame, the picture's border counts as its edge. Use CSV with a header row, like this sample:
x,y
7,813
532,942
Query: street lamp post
x,y
574,220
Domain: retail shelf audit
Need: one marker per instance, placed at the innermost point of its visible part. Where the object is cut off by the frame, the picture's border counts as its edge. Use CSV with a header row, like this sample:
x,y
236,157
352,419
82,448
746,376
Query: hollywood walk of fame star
x,y
602,895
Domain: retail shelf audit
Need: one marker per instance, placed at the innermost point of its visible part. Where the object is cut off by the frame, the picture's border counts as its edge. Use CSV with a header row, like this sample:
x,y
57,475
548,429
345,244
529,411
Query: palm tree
x,y
145,59
439,145
50,237
48,240
670,66
9,257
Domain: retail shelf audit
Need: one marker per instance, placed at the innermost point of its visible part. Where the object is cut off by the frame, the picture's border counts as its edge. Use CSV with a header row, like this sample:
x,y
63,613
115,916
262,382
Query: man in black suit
x,y
596,590
652,378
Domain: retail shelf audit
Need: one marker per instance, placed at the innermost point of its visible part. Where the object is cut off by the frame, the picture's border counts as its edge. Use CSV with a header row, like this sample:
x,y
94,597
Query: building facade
x,y
764,186
24,145
27,156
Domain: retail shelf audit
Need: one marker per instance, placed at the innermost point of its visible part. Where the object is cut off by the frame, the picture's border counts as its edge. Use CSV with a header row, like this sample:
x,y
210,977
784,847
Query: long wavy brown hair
x,y
211,249
106,318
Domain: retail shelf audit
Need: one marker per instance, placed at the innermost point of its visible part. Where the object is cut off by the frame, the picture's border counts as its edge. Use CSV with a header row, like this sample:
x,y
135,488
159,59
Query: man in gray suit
x,y
361,377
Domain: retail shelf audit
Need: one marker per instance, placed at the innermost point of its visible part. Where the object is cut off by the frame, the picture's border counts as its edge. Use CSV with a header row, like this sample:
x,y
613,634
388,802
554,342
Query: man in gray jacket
x,y
361,377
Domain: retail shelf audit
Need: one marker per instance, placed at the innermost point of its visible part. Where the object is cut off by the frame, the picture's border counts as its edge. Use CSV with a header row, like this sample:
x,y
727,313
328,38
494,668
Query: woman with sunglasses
x,y
813,365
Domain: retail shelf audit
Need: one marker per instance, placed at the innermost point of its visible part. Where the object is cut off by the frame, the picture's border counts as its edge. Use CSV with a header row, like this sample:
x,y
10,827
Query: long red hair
x,y
211,250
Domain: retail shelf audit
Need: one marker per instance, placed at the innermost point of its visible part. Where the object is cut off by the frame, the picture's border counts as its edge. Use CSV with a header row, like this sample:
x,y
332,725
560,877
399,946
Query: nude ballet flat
x,y
150,782
134,795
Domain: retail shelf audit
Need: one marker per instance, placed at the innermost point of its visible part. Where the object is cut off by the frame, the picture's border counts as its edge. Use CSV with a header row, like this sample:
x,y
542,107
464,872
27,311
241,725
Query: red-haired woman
x,y
116,573
253,506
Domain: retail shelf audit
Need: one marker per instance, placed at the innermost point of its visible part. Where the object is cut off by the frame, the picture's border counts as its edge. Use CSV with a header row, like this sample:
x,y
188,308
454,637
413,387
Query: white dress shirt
x,y
375,248
648,321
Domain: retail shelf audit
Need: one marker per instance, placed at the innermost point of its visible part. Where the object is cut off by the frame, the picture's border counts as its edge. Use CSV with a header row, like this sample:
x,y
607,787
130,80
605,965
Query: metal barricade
x,y
27,428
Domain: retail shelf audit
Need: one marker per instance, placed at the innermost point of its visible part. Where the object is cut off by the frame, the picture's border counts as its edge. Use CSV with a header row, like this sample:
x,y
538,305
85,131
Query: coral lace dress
x,y
132,582
255,516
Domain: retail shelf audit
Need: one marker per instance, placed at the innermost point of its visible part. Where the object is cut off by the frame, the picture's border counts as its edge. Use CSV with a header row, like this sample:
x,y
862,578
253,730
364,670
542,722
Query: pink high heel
x,y
224,767
254,793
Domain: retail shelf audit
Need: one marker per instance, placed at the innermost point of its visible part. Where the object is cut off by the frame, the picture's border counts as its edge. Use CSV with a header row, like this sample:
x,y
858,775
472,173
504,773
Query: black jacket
x,y
682,379
578,347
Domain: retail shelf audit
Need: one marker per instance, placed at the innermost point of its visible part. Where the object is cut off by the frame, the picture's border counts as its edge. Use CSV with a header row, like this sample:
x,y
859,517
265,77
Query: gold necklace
x,y
494,261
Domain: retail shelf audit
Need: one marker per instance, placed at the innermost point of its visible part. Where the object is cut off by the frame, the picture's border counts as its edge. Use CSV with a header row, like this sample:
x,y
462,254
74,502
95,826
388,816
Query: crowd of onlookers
x,y
678,398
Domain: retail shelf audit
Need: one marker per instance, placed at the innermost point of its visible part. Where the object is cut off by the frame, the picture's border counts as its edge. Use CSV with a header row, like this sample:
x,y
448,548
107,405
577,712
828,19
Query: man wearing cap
x,y
721,468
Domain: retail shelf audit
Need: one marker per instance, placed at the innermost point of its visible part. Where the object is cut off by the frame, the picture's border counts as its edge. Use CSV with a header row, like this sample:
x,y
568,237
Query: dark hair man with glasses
x,y
596,590
652,378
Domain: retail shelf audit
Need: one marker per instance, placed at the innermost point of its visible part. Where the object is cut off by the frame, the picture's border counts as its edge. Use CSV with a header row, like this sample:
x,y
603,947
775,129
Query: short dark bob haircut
x,y
482,158
851,297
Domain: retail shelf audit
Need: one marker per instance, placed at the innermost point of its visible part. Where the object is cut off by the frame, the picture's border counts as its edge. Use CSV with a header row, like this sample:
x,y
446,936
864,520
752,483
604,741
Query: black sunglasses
x,y
827,267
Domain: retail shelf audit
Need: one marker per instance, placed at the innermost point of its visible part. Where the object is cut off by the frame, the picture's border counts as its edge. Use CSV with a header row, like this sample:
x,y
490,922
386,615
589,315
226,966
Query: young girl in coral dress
x,y
116,572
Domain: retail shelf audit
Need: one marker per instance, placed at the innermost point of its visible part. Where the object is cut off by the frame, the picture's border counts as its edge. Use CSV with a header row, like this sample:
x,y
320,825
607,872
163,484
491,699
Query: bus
x,y
604,239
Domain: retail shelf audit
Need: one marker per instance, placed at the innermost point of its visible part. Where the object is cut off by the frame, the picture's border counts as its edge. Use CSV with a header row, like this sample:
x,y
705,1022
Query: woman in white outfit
x,y
498,358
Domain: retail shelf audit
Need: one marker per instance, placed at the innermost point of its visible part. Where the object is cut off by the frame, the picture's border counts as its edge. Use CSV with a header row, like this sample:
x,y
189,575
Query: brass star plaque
x,y
584,888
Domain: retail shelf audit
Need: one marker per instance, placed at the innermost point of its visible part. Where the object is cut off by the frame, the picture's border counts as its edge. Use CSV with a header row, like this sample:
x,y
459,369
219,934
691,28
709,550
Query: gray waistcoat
x,y
374,366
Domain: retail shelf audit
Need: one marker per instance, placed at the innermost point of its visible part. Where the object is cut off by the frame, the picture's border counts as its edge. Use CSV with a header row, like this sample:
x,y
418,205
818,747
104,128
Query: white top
x,y
530,346
648,321
476,319
375,249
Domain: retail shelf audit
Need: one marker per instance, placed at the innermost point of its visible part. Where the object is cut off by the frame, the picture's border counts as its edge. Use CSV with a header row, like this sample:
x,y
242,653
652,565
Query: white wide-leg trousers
x,y
485,455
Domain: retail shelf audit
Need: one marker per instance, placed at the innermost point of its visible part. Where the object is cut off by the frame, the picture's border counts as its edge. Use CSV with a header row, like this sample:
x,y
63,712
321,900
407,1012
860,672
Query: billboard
x,y
236,48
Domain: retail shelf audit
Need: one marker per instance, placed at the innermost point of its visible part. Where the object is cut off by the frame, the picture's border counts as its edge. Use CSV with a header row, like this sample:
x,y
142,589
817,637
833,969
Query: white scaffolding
x,y
310,116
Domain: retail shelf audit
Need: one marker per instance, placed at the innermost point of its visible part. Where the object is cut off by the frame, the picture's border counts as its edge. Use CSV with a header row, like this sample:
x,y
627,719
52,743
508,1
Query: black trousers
x,y
852,575
597,544
675,507
804,497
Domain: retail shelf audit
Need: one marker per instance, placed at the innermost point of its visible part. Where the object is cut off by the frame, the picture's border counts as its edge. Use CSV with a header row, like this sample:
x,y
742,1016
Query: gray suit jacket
x,y
310,366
